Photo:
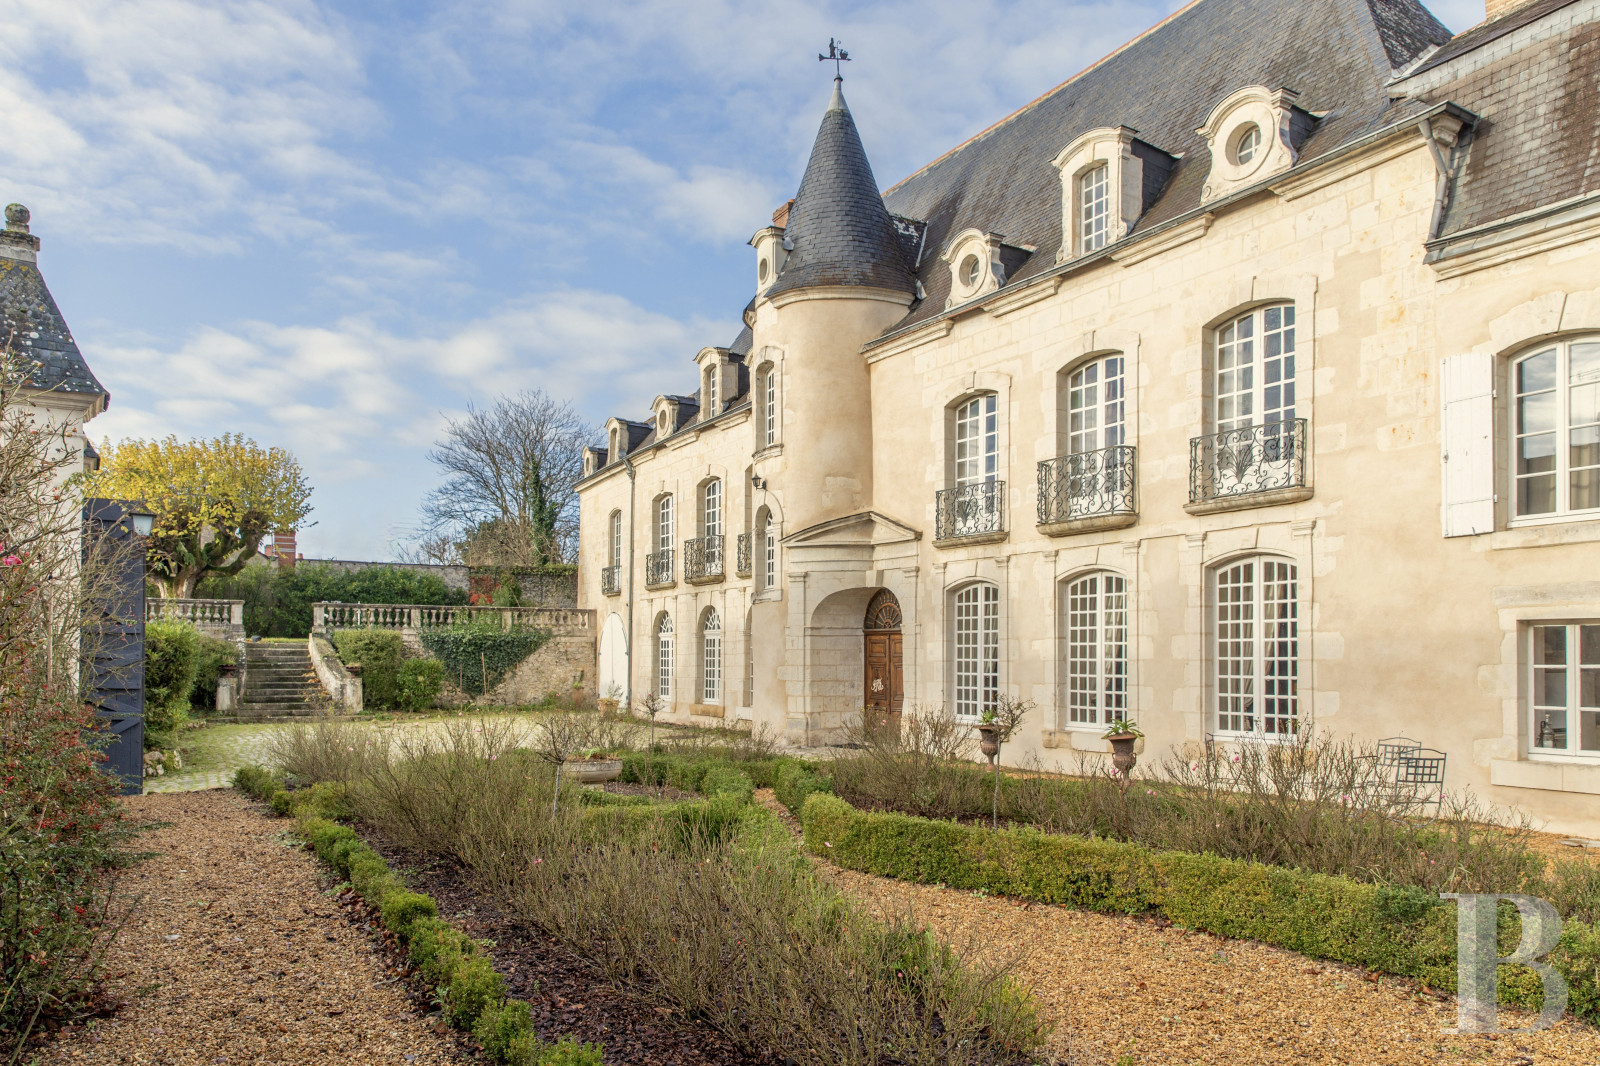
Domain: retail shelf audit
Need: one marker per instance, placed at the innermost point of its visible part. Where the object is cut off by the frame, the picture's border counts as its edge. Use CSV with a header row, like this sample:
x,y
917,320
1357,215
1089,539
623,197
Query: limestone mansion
x,y
1245,381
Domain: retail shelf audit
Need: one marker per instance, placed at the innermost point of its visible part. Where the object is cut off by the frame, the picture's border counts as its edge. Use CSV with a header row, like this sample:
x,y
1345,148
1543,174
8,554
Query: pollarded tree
x,y
214,501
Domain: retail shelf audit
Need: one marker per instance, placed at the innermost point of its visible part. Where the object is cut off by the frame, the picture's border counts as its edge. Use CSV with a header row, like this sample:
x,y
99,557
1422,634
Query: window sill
x,y
708,710
1550,773
1089,524
659,585
1568,529
744,573
611,592
1087,738
976,538
709,579
1248,500
769,452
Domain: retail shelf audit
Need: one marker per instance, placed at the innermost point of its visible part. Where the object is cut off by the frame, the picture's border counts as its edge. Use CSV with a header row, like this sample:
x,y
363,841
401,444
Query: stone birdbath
x,y
593,767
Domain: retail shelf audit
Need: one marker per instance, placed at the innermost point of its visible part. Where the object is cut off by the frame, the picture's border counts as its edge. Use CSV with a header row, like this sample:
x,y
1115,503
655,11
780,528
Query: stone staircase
x,y
280,682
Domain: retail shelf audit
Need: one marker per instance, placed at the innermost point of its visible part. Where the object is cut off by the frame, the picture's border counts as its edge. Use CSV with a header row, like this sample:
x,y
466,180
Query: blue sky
x,y
333,225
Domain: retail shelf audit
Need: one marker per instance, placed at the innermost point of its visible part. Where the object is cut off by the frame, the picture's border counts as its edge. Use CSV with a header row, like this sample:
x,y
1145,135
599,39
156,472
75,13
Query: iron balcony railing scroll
x,y
1087,485
702,558
611,580
970,510
743,564
658,567
1247,460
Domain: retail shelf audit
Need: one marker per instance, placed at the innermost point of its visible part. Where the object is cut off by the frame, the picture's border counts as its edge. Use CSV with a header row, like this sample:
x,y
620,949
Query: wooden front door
x,y
881,653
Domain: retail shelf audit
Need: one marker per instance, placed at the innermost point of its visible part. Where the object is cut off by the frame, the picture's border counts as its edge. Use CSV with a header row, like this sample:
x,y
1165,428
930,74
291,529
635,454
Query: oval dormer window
x,y
1247,144
970,269
761,272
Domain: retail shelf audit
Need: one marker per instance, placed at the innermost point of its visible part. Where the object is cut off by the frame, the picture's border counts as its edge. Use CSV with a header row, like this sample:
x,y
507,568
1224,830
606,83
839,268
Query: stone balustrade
x,y
222,617
566,621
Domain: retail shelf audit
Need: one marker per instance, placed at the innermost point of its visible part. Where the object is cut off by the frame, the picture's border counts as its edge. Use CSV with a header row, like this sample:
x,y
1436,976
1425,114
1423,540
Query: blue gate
x,y
114,635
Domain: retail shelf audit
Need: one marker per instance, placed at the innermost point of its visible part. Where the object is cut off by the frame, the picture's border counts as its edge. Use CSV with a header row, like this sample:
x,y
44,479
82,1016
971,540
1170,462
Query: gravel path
x,y
1116,987
236,954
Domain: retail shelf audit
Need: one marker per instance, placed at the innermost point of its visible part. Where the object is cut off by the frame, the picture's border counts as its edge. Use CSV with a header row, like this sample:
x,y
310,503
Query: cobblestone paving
x,y
212,754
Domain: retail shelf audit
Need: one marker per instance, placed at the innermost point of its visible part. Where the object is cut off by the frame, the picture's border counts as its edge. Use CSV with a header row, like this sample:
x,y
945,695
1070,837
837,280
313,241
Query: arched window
x,y
711,657
711,508
664,524
712,409
1556,419
1095,621
1096,405
1255,369
1094,209
977,441
977,649
767,391
767,539
1257,647
616,538
664,656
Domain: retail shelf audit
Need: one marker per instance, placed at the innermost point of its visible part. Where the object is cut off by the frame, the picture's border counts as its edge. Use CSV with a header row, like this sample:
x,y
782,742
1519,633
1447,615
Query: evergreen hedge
x,y
277,602
379,653
171,659
1397,930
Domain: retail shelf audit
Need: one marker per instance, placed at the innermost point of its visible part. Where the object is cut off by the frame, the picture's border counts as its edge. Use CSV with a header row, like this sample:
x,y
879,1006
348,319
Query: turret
x,y
844,280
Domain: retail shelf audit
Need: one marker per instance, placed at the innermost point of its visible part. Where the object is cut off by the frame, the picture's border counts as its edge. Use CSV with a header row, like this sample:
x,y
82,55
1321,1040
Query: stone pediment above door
x,y
868,529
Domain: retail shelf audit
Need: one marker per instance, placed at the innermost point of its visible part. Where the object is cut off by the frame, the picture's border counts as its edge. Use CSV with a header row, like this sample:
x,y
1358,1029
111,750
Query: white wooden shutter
x,y
1467,416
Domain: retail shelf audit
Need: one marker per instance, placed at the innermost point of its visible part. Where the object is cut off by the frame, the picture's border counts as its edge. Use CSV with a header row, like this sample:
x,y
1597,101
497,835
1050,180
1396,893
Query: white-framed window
x,y
711,657
664,524
1096,626
977,649
1246,143
1564,696
1094,209
769,556
616,538
710,397
1255,369
1257,647
614,447
769,406
977,441
711,508
664,656
1556,428
1096,405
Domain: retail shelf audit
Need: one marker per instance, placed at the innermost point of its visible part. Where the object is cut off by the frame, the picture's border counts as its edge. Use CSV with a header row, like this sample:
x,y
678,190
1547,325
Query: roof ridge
x,y
1097,64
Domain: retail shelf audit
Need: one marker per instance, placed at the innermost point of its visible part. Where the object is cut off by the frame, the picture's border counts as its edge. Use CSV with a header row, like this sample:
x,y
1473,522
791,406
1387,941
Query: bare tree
x,y
509,496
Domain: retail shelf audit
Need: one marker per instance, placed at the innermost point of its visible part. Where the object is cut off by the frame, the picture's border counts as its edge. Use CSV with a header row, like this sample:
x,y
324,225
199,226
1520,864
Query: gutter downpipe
x,y
627,644
1441,185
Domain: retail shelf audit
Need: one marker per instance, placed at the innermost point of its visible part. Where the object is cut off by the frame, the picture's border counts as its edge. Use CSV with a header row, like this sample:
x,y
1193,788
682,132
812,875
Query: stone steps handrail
x,y
200,612
327,616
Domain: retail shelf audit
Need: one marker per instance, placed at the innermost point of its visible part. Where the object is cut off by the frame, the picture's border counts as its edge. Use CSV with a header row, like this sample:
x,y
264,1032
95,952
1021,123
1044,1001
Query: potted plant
x,y
996,725
1123,735
593,766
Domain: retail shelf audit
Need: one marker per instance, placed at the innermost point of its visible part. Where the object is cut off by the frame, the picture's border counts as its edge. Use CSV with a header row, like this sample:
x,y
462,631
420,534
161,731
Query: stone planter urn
x,y
989,741
1122,753
230,670
592,771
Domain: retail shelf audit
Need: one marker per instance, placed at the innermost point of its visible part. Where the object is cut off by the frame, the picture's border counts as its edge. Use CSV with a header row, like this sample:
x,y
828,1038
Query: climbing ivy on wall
x,y
477,656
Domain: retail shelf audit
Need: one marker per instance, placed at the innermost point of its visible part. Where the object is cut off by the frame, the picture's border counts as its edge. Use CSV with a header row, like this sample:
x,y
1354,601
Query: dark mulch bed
x,y
566,993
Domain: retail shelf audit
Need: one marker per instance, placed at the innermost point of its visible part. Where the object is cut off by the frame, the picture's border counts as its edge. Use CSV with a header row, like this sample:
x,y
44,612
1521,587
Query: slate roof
x,y
1538,133
42,336
840,230
1339,55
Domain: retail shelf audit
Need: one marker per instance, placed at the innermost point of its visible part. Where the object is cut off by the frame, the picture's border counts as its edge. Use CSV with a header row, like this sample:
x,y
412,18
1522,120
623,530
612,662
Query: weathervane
x,y
835,53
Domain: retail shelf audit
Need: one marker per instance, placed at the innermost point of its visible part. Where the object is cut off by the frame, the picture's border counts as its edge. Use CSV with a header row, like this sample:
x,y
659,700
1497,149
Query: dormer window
x,y
1094,207
1109,178
977,264
770,249
1253,134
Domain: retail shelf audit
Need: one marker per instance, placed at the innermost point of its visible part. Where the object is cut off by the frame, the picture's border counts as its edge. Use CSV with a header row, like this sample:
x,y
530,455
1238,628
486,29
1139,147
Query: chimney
x,y
283,547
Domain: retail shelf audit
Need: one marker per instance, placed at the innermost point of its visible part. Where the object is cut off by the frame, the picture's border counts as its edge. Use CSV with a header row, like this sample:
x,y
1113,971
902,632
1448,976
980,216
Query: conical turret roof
x,y
841,232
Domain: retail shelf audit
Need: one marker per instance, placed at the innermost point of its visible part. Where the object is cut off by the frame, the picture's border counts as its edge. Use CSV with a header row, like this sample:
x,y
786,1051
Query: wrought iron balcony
x,y
743,567
702,559
1075,490
658,569
611,580
971,512
1249,461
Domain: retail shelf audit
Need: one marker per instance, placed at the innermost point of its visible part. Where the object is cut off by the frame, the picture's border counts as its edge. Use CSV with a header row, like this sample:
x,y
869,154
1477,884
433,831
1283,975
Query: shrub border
x,y
1401,931
470,991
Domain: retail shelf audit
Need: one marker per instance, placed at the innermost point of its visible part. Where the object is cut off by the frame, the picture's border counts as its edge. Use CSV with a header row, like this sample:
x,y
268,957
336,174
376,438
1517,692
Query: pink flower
x,y
11,560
